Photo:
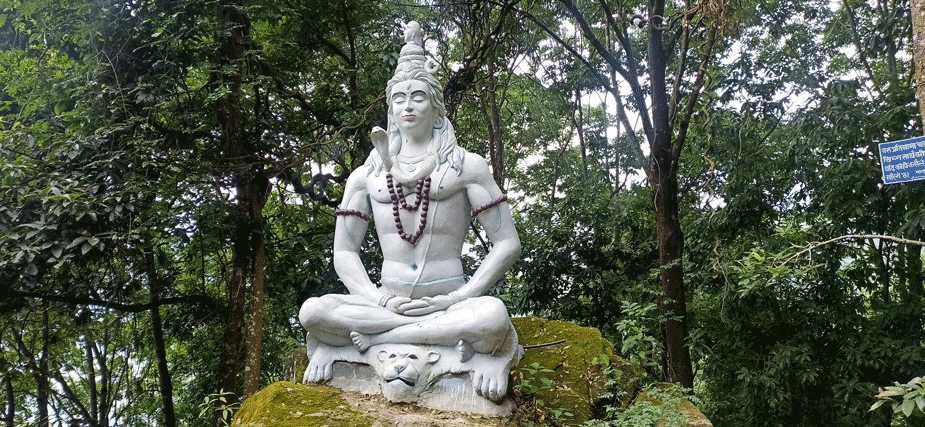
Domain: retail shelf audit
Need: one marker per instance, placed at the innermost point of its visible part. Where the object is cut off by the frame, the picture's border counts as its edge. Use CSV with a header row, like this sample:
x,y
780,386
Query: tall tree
x,y
678,45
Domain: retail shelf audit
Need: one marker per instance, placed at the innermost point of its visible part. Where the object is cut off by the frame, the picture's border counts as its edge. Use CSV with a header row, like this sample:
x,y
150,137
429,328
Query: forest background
x,y
169,171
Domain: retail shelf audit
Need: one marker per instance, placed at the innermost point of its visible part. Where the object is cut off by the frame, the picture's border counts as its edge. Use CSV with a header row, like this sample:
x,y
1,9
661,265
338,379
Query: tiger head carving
x,y
406,372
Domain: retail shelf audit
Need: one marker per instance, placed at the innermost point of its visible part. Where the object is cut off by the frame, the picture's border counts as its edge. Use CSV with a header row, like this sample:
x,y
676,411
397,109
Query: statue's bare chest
x,y
444,185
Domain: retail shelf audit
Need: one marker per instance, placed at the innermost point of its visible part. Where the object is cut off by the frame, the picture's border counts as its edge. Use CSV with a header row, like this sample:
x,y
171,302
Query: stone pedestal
x,y
448,392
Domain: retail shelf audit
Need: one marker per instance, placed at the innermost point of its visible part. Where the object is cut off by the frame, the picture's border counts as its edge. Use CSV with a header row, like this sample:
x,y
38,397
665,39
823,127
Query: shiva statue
x,y
421,191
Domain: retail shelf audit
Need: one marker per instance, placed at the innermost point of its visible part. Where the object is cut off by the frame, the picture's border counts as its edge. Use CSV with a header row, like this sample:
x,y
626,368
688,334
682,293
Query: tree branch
x,y
600,78
628,73
857,45
692,100
815,245
682,63
125,308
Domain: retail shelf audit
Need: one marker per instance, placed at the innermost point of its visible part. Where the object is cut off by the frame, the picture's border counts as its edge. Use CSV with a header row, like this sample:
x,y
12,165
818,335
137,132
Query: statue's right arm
x,y
349,234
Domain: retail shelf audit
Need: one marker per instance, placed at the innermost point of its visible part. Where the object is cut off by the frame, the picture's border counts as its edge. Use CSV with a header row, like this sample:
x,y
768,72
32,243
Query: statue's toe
x,y
306,377
311,343
465,351
360,341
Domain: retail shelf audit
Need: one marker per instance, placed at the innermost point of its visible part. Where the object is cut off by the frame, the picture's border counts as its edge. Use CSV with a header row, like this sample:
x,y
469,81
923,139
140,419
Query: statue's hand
x,y
426,305
395,302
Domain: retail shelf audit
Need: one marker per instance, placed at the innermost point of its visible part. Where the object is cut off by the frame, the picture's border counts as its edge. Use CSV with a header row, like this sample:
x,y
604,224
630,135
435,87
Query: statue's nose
x,y
399,367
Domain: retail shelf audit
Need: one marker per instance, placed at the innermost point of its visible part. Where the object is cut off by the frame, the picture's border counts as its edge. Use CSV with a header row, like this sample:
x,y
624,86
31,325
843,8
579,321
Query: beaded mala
x,y
398,202
351,212
489,205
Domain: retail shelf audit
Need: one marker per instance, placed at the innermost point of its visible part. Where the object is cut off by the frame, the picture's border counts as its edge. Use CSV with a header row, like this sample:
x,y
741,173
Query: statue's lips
x,y
409,118
407,382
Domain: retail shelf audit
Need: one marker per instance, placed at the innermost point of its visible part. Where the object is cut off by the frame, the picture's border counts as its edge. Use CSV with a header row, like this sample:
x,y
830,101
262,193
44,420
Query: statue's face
x,y
412,109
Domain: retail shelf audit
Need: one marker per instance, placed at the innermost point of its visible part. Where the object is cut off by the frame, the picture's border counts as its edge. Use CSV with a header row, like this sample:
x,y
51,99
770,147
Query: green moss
x,y
286,404
577,381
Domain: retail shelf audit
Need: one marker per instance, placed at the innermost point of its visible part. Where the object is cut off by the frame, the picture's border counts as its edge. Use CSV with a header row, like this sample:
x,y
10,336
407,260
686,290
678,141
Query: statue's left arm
x,y
490,207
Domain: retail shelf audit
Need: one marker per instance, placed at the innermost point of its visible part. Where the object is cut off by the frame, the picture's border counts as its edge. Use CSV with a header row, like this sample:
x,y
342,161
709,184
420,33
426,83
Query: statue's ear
x,y
433,357
383,355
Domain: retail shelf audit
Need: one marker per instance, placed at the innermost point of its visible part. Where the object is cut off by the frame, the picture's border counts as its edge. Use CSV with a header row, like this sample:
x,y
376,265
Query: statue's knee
x,y
310,312
492,307
494,311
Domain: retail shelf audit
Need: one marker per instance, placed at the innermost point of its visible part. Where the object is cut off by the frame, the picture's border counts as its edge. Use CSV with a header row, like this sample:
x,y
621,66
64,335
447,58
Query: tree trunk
x,y
255,325
662,177
881,255
914,269
105,389
164,380
674,305
10,400
579,123
41,377
918,51
247,262
247,246
91,379
231,118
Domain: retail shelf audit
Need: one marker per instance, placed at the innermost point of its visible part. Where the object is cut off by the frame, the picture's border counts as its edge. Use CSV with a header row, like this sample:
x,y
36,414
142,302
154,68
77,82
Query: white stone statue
x,y
422,190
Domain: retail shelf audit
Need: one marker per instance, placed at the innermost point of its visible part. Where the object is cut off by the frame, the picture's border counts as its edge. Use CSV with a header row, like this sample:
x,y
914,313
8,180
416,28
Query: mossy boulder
x,y
286,404
579,373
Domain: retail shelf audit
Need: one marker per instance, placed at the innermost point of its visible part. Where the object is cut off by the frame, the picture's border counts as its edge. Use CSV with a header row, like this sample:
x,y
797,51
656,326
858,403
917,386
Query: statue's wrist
x,y
384,299
454,297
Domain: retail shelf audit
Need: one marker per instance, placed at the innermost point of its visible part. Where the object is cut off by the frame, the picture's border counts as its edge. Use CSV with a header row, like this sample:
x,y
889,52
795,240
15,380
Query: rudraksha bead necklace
x,y
398,202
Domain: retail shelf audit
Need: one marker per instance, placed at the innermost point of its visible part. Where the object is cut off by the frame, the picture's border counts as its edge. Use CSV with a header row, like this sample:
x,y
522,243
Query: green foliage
x,y
907,399
222,403
585,248
531,382
655,406
614,393
116,188
639,342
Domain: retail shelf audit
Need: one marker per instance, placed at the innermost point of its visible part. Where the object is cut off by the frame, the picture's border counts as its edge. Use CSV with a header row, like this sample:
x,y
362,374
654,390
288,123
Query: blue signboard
x,y
903,161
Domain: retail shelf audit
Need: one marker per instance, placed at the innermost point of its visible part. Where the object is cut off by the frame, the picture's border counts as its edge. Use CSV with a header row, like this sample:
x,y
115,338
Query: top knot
x,y
412,56
413,33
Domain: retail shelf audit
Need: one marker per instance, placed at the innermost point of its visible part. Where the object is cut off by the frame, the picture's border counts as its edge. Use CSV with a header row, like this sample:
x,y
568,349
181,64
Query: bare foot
x,y
320,366
360,341
491,381
465,351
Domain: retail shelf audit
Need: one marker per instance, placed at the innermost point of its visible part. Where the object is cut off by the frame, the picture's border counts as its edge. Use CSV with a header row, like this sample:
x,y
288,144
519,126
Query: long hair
x,y
443,141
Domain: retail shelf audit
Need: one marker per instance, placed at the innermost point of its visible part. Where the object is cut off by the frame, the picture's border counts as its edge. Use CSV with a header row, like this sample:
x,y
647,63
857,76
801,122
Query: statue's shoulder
x,y
475,168
357,180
